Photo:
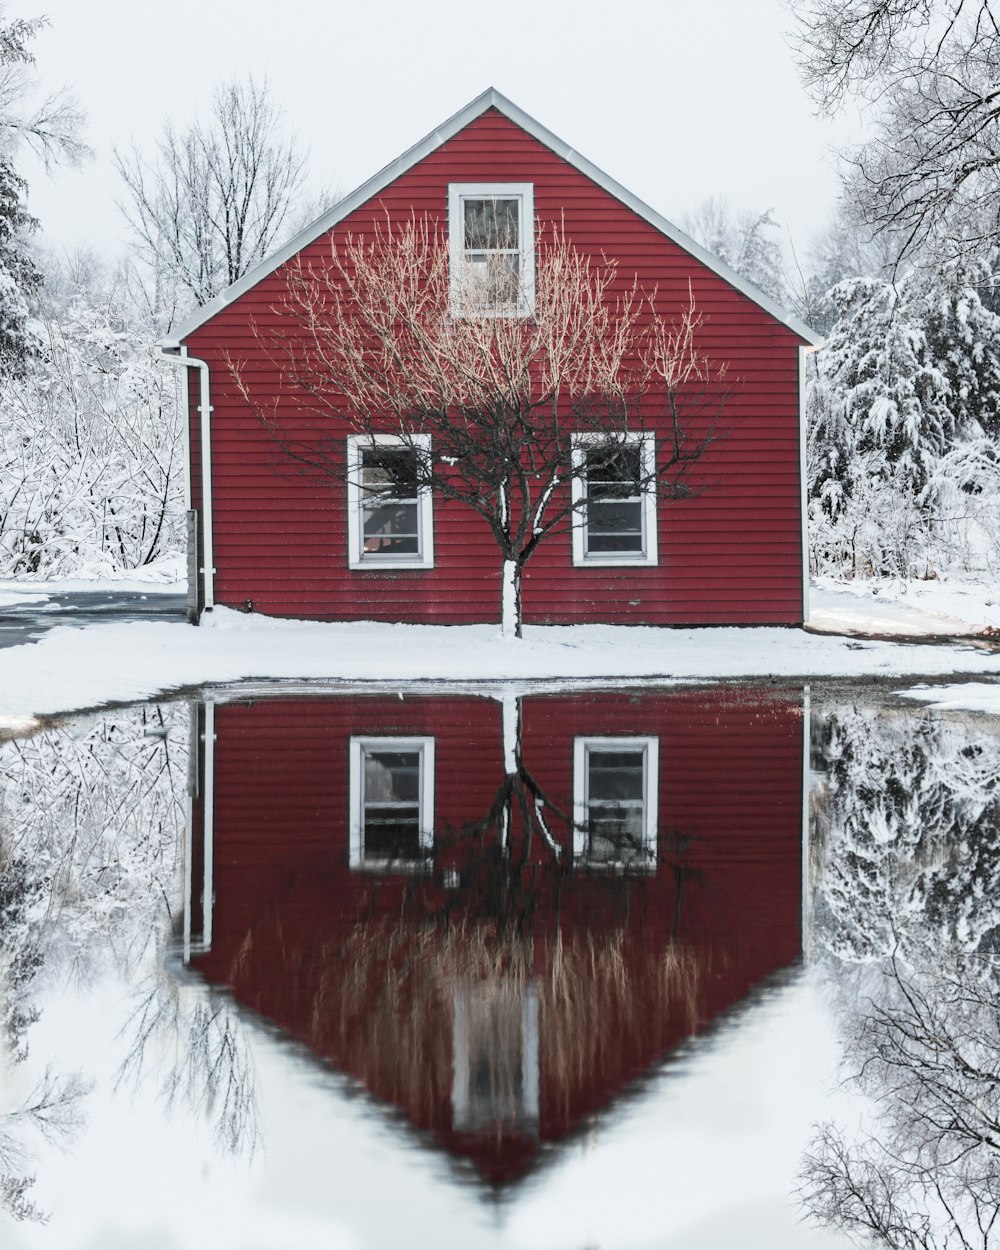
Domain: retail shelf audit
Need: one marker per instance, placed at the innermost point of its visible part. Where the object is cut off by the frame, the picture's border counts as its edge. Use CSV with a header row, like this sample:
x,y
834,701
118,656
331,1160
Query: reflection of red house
x,y
496,986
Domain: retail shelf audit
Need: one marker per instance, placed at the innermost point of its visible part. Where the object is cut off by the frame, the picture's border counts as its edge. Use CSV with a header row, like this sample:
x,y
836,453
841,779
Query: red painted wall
x,y
731,554
361,967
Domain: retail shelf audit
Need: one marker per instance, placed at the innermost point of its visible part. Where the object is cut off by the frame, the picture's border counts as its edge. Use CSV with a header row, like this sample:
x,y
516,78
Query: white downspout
x,y
205,427
804,354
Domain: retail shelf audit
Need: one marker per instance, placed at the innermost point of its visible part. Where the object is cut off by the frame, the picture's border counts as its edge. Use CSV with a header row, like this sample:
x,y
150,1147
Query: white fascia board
x,y
491,98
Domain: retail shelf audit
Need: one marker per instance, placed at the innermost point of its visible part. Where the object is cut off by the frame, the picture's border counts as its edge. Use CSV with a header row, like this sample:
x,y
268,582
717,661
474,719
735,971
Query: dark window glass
x,y
392,805
491,225
390,519
615,806
614,499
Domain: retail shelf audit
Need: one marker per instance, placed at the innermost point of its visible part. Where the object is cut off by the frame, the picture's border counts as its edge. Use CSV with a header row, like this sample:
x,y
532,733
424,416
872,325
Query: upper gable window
x,y
491,236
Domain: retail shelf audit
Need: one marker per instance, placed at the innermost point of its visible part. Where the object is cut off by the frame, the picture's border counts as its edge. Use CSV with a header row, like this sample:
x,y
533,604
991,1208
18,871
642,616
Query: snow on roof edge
x,y
490,98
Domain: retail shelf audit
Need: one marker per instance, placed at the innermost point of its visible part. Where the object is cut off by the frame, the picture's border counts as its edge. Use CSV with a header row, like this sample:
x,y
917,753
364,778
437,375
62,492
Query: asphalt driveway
x,y
29,620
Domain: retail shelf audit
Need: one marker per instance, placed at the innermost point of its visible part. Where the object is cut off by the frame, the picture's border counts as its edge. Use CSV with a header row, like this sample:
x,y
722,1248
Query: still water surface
x,y
537,969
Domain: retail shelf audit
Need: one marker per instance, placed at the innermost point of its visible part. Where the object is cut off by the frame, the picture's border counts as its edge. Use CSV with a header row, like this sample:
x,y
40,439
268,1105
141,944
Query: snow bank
x,y
903,608
73,667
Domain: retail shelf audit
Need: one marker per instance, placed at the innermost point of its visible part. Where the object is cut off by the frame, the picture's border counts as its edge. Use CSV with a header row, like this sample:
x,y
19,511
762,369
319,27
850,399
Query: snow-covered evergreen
x,y
903,404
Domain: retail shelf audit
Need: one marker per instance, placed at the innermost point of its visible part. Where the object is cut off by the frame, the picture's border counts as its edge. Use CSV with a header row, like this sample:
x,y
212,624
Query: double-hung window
x,y
614,493
615,786
392,804
491,238
389,515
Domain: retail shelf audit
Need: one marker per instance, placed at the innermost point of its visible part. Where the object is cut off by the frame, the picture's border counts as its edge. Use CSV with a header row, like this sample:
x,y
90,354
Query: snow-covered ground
x,y
912,608
73,668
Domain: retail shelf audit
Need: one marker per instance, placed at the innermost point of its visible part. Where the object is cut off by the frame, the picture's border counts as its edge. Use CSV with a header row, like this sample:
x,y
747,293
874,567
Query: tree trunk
x,y
510,600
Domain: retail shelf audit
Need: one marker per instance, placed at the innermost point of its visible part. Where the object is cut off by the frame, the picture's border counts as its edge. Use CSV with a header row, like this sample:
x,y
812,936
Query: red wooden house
x,y
367,878
291,544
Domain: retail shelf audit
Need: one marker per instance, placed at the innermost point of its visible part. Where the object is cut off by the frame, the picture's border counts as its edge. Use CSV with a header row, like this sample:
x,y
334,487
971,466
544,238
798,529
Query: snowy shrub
x,y
92,453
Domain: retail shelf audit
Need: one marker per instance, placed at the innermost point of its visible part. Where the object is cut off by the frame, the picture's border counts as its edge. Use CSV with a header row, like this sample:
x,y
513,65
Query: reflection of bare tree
x,y
926,1051
194,1039
52,1113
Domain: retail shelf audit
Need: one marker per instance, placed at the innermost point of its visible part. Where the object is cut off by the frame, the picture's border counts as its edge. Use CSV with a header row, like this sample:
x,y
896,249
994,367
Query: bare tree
x,y
51,126
931,171
927,1054
213,199
494,410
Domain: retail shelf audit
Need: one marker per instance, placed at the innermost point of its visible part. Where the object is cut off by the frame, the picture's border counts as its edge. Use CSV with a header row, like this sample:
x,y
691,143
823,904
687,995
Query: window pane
x,y
491,223
389,470
494,277
615,806
392,805
614,471
614,526
390,527
615,775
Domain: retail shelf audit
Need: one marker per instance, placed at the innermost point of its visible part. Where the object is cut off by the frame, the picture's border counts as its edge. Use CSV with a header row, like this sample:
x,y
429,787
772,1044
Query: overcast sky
x,y
678,101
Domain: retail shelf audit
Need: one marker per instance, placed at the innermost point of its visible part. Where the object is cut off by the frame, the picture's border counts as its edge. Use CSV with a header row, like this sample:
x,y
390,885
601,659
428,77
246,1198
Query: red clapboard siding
x,y
730,552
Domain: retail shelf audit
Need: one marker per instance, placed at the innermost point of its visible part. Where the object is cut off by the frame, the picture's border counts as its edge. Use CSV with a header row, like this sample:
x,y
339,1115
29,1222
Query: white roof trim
x,y
491,98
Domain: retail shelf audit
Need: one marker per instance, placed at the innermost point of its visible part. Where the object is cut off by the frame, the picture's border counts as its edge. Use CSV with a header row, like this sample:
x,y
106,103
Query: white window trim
x,y
356,852
524,192
648,555
650,748
357,558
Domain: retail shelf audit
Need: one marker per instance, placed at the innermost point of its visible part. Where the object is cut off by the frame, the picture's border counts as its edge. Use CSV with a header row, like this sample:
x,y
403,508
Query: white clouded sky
x,y
676,100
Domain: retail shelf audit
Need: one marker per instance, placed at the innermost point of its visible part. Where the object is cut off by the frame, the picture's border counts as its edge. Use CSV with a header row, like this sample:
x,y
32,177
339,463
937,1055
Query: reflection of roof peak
x,y
465,1167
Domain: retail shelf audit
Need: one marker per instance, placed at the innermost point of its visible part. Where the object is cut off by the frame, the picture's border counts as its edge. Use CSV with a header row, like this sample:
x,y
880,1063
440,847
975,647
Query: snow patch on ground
x,y
73,667
903,608
967,696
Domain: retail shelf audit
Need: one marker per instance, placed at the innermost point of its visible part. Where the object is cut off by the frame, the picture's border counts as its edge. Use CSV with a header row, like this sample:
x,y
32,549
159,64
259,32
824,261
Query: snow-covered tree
x,y
51,129
904,463
907,832
930,172
906,934
91,447
745,239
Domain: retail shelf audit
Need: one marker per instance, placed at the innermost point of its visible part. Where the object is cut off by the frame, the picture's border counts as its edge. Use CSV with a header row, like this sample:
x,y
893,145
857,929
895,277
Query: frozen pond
x,y
512,969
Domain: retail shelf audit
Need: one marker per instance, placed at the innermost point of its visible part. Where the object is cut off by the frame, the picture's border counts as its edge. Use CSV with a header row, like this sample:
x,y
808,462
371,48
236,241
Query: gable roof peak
x,y
490,98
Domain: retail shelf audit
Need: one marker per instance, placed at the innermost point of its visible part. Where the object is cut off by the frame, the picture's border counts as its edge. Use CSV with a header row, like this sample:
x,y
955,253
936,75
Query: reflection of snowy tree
x,y
926,1051
92,818
97,809
907,917
908,821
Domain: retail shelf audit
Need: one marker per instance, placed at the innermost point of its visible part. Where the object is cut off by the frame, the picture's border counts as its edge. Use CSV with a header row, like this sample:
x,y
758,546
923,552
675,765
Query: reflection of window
x,y
389,516
495,1076
614,482
614,793
490,229
392,803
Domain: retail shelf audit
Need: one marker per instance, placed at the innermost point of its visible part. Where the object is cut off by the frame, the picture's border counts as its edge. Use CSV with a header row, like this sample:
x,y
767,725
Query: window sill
x,y
618,560
378,566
